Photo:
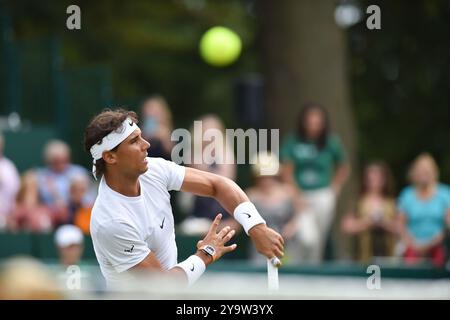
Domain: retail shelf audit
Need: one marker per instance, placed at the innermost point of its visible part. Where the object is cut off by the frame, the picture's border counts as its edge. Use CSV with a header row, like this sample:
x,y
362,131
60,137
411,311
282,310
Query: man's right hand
x,y
267,241
217,240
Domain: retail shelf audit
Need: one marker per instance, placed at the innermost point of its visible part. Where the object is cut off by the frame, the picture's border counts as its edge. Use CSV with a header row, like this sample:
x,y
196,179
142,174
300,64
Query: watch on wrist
x,y
209,250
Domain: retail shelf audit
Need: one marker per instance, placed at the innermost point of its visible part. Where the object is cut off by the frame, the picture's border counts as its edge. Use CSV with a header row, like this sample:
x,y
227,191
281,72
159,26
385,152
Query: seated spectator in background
x,y
314,163
276,201
9,185
29,213
423,209
204,207
69,241
157,127
374,220
80,205
54,180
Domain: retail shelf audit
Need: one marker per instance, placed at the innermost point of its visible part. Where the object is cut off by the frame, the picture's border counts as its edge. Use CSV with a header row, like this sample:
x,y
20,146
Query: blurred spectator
x,y
26,278
54,180
69,241
29,213
315,163
79,205
204,208
157,126
275,200
374,221
423,208
9,185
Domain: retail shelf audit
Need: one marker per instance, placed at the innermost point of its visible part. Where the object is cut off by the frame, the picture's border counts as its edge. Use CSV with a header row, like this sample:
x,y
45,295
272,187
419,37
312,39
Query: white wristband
x,y
193,267
247,215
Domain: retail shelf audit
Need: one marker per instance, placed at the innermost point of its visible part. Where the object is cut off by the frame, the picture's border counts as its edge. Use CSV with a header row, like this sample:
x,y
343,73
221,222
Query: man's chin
x,y
144,170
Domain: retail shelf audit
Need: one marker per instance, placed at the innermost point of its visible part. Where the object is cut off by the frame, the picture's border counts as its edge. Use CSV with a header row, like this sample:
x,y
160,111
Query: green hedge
x,y
42,246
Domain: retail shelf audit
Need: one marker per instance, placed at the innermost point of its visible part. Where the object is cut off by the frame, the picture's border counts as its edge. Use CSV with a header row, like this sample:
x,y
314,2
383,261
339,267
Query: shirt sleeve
x,y
121,245
13,179
339,155
174,174
286,149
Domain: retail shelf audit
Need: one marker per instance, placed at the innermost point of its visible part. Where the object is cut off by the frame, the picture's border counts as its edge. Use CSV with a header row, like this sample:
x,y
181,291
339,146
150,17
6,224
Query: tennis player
x,y
132,224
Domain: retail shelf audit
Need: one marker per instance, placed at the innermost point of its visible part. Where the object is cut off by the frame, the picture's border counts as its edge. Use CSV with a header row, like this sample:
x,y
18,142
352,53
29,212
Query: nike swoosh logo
x,y
130,123
162,223
130,250
248,214
192,269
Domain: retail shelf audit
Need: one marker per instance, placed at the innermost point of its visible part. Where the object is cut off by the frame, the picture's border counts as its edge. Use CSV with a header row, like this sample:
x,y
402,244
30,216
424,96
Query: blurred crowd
x,y
298,199
44,198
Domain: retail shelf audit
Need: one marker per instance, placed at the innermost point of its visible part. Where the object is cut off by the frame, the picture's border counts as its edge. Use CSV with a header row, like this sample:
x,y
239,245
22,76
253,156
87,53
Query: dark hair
x,y
301,123
100,126
388,186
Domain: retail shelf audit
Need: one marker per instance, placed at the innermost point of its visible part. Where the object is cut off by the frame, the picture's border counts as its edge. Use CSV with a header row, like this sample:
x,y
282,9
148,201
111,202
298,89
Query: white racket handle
x,y
272,275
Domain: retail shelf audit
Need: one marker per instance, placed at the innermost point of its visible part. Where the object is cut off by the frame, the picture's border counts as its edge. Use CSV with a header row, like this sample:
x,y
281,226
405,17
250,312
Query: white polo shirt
x,y
126,229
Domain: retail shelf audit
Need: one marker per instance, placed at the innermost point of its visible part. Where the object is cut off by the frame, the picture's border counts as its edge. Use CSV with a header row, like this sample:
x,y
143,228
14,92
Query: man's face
x,y
58,161
77,191
71,254
131,154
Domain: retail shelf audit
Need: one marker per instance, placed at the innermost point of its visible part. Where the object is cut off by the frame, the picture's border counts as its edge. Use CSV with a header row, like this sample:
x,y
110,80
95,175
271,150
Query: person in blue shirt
x,y
55,178
424,208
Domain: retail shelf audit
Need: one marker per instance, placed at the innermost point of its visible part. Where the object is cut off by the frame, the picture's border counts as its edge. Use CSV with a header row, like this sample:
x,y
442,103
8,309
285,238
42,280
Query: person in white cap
x,y
69,240
132,224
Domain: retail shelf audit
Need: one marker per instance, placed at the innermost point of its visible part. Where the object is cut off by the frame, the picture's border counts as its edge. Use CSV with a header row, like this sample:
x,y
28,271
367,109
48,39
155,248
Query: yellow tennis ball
x,y
220,46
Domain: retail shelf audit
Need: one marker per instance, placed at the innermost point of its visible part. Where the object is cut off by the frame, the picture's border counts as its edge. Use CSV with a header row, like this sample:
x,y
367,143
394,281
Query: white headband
x,y
112,140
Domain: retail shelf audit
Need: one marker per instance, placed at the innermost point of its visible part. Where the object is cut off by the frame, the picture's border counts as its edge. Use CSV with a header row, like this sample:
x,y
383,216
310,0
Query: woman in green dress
x,y
314,162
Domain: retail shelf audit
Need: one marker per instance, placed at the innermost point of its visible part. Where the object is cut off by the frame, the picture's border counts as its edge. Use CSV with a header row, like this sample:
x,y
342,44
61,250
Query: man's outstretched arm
x,y
217,239
233,198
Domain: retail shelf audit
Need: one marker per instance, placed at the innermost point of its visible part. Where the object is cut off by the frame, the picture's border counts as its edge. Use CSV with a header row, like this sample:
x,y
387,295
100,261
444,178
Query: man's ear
x,y
109,157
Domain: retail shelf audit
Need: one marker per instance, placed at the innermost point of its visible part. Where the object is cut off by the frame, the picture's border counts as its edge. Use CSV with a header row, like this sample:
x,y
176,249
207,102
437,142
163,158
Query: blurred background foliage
x,y
150,46
400,79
